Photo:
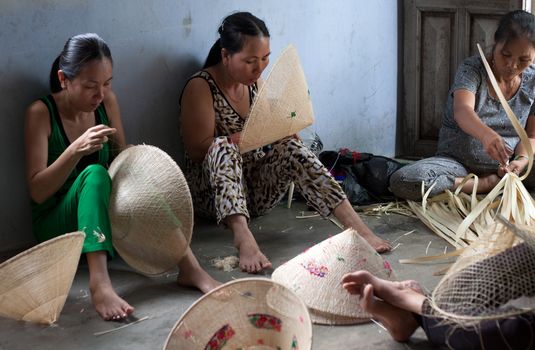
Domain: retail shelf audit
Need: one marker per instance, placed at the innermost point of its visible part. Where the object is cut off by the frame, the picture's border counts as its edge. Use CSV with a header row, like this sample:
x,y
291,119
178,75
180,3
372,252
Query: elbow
x,y
36,195
37,198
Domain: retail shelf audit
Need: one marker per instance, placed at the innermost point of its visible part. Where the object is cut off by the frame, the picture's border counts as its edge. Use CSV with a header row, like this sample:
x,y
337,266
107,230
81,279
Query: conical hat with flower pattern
x,y
316,274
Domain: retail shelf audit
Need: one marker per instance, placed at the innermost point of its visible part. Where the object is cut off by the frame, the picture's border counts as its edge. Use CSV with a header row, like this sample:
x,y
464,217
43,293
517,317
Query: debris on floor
x,y
227,263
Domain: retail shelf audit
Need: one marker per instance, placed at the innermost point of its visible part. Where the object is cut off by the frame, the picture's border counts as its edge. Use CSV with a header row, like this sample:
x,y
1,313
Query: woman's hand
x,y
93,139
516,166
235,138
496,148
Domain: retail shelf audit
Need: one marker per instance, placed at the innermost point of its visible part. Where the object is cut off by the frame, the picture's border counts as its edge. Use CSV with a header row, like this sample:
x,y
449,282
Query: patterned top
x,y
227,120
455,143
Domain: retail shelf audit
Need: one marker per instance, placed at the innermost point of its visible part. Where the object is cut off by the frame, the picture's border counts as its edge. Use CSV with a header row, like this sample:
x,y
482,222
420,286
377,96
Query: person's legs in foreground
x,y
399,301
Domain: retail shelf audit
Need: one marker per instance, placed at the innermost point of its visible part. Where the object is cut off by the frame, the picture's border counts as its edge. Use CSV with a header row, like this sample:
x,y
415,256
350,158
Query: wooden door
x,y
437,36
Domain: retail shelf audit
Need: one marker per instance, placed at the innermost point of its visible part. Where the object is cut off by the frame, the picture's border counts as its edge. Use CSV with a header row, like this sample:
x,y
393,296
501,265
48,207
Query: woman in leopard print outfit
x,y
233,187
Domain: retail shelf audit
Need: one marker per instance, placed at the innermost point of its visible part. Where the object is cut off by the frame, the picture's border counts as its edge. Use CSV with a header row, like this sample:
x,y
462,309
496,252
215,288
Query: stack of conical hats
x,y
282,107
249,313
316,274
34,284
151,211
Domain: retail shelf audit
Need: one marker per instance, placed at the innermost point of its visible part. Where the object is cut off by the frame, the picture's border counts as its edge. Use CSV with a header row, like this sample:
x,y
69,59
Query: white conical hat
x,y
151,211
248,314
34,284
282,107
316,274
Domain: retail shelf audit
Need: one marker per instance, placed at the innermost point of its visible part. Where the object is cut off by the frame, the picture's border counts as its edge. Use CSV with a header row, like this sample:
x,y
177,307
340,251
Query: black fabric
x,y
365,176
510,333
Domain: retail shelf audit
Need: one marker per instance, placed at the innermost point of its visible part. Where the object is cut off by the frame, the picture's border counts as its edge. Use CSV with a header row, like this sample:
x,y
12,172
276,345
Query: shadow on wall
x,y
157,120
20,89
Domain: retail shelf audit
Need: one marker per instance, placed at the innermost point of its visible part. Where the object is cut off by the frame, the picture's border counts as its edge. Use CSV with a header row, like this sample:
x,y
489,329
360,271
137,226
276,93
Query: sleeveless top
x,y
227,120
455,143
58,143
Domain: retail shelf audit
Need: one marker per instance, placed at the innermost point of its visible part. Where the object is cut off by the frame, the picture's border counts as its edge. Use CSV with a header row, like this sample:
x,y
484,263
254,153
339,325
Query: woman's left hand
x,y
516,166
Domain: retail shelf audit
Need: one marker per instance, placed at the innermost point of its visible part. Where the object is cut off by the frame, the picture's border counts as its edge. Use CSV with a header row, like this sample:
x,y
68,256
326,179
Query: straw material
x,y
249,313
151,211
35,283
316,274
282,107
485,285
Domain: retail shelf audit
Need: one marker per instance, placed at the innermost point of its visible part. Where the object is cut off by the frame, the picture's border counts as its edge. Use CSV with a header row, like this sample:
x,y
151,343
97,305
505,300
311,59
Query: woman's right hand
x,y
496,148
93,139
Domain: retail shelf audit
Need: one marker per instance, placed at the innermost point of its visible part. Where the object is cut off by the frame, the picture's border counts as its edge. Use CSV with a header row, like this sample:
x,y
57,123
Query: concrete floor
x,y
164,302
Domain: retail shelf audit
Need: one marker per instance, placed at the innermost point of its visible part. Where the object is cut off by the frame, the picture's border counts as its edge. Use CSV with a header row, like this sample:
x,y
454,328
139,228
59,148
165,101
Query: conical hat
x,y
248,313
282,107
35,283
316,274
151,211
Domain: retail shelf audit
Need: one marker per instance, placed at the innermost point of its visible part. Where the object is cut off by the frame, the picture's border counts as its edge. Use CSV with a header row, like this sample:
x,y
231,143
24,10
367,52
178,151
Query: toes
x,y
366,297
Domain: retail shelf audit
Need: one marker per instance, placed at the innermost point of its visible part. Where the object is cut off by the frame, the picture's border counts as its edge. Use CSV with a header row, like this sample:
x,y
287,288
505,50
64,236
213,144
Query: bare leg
x,y
406,295
252,259
106,301
191,274
400,323
485,184
349,218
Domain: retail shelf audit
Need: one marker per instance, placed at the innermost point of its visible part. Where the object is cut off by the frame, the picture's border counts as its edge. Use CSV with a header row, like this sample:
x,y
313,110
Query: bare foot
x,y
400,323
191,274
109,305
252,260
199,279
407,295
485,183
380,245
345,213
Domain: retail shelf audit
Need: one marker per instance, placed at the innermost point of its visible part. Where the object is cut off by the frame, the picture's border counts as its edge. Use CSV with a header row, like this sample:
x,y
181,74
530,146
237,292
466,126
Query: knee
x,y
405,188
96,176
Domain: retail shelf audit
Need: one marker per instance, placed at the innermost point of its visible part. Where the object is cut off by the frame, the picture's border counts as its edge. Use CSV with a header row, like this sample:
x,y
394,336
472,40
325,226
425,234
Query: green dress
x,y
82,203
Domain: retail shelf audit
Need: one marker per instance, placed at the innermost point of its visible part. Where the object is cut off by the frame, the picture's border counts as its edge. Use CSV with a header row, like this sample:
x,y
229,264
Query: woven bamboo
x,y
316,274
249,313
282,107
151,211
35,283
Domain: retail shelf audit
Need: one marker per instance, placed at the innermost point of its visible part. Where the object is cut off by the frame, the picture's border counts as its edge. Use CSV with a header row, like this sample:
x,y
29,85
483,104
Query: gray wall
x,y
348,49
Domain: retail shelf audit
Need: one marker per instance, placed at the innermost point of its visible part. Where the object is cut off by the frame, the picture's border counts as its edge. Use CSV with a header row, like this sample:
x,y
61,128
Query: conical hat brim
x,y
319,317
282,107
35,283
151,211
232,305
315,275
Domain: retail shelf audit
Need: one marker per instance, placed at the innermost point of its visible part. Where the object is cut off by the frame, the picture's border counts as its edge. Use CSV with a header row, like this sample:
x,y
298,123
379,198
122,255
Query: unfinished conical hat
x,y
488,281
316,274
247,314
151,212
35,283
282,107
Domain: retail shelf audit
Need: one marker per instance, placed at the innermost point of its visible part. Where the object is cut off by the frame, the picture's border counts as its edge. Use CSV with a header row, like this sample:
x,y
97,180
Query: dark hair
x,y
232,34
77,52
514,25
